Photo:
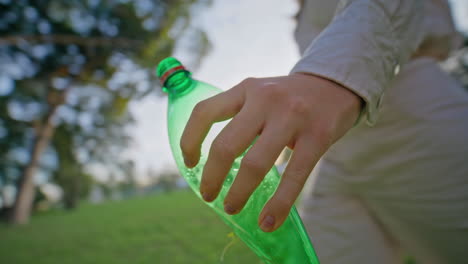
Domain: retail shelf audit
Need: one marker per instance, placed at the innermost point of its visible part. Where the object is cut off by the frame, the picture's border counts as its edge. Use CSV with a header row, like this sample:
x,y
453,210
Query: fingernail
x,y
188,163
229,209
268,223
206,197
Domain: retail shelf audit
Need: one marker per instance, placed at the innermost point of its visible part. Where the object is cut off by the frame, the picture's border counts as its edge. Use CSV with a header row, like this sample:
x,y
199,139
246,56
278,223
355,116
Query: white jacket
x,y
365,42
400,187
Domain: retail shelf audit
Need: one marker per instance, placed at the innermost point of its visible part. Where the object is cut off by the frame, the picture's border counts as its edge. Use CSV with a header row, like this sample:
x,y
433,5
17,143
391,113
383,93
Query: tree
x,y
69,69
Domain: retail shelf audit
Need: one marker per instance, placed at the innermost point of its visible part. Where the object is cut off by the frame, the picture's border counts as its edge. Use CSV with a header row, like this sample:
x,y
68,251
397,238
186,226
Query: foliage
x,y
171,228
167,180
81,62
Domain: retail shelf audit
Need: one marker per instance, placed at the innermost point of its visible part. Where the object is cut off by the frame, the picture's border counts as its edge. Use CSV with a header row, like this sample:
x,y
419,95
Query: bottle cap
x,y
168,67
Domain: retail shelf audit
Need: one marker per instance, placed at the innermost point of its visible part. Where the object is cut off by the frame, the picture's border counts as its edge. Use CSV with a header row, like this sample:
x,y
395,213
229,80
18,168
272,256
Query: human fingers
x,y
214,109
232,141
256,164
306,154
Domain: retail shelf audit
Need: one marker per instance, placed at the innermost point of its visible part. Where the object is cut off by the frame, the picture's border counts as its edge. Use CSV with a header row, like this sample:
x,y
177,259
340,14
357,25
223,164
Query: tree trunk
x,y
72,194
26,190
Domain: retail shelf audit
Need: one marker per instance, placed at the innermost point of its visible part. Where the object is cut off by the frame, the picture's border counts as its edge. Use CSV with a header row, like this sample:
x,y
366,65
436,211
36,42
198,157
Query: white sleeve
x,y
364,46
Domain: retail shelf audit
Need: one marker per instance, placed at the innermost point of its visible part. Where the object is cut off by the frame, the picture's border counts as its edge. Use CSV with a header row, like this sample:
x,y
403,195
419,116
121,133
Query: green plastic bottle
x,y
289,244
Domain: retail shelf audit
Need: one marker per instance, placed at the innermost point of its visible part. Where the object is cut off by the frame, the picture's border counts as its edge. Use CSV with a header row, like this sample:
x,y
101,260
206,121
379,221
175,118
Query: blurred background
x,y
86,173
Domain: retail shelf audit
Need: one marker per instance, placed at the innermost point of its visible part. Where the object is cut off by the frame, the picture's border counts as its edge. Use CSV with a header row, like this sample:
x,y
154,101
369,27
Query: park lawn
x,y
166,228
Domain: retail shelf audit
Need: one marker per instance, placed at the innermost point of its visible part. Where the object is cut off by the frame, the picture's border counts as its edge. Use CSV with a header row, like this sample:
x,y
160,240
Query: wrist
x,y
347,104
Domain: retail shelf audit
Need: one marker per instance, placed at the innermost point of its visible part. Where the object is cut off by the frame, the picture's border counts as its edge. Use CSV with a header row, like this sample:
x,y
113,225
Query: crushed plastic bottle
x,y
289,244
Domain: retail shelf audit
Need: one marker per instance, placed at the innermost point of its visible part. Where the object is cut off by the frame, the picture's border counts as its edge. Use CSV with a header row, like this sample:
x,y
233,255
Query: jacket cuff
x,y
366,89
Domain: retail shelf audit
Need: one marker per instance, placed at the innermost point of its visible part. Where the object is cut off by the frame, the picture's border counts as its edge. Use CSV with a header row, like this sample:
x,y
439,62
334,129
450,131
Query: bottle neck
x,y
179,83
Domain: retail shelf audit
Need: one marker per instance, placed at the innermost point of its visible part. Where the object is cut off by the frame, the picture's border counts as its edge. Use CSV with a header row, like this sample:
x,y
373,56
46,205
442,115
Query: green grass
x,y
168,229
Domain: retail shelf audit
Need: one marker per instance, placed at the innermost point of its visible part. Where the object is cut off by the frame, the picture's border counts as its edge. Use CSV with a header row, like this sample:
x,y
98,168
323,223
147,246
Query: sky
x,y
246,43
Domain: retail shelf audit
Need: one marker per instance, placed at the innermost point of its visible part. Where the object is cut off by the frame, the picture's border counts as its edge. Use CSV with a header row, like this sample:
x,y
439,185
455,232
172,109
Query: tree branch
x,y
70,39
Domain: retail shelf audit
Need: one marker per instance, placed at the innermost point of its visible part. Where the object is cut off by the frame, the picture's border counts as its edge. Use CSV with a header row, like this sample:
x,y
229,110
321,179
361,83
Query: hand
x,y
304,112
